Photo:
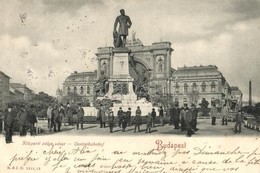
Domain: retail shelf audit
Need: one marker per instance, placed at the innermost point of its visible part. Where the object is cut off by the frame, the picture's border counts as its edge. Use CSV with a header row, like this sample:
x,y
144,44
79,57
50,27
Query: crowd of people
x,y
25,117
184,119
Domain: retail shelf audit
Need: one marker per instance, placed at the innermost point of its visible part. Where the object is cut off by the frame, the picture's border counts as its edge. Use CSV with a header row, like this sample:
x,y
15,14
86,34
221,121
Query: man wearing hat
x,y
128,116
8,124
194,112
120,115
153,114
183,113
239,120
22,117
137,119
176,116
80,115
32,119
110,120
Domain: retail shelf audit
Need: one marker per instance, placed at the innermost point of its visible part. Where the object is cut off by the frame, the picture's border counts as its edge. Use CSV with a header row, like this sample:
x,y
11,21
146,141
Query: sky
x,y
43,41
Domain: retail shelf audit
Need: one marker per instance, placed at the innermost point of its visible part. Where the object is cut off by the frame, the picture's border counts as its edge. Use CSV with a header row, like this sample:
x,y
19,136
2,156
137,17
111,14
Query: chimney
x,y
250,93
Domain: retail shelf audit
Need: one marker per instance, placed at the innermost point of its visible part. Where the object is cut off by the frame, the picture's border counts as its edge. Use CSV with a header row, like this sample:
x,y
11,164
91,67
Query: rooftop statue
x,y
124,23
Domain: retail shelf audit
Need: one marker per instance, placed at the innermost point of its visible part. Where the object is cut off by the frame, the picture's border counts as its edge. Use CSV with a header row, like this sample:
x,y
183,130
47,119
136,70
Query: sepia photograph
x,y
127,86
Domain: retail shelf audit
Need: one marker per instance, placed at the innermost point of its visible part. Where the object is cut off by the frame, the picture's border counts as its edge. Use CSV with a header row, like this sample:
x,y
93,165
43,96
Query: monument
x,y
131,68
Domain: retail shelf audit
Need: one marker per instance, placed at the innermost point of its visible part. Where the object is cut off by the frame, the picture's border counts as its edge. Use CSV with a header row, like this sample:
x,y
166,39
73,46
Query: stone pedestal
x,y
120,82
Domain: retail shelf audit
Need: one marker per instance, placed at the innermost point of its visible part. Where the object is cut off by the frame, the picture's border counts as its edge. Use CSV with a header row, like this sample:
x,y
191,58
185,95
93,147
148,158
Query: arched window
x,y
194,86
177,88
75,90
68,90
213,87
81,90
203,87
185,87
88,90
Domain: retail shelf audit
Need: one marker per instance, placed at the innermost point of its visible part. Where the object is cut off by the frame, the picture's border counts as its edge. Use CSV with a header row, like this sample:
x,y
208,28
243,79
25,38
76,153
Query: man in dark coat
x,y
80,115
124,121
119,115
183,113
62,114
128,116
55,119
23,121
8,124
188,120
69,113
194,112
102,118
32,119
176,116
137,119
110,120
153,114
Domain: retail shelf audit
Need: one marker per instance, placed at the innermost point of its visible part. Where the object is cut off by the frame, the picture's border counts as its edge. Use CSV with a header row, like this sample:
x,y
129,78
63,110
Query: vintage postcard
x,y
120,86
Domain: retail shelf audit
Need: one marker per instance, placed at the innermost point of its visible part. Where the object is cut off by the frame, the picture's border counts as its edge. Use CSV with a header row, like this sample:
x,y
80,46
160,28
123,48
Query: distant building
x,y
80,84
28,93
192,84
4,88
59,94
236,97
16,94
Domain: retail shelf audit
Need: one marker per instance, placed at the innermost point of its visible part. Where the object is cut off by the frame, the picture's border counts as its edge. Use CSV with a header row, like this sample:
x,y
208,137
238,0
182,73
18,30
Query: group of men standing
x,y
56,116
184,118
25,117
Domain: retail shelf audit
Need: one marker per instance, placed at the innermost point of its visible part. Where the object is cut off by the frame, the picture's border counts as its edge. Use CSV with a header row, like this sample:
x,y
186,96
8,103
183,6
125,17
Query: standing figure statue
x,y
124,23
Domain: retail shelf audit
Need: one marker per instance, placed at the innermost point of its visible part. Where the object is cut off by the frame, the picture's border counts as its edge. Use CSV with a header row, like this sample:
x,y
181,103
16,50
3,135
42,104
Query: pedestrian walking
x,y
128,116
32,120
69,114
183,112
62,114
119,115
9,124
188,120
80,116
49,111
23,121
224,114
149,120
56,119
176,116
194,112
110,120
102,118
239,120
153,114
161,115
213,114
124,122
137,119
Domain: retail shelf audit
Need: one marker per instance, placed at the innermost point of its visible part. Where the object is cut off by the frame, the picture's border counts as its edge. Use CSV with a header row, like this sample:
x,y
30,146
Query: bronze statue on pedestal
x,y
124,23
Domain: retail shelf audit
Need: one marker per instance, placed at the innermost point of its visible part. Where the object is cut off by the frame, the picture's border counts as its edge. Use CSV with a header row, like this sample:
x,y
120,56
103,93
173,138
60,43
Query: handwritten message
x,y
159,156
